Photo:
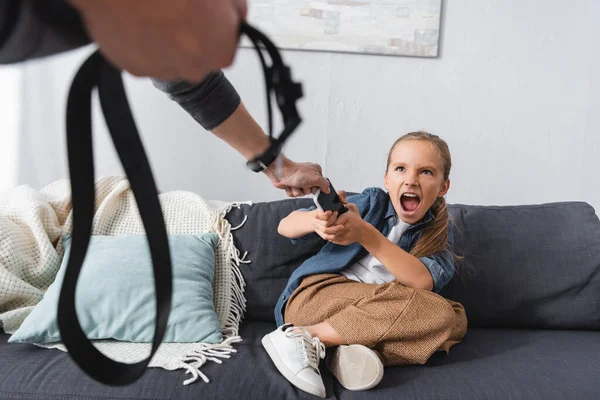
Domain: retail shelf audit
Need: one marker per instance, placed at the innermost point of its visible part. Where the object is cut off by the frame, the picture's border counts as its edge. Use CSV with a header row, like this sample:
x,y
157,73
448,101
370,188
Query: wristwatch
x,y
262,161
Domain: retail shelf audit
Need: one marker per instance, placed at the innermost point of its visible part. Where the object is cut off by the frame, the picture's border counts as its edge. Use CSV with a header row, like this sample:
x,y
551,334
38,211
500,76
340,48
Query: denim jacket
x,y
375,207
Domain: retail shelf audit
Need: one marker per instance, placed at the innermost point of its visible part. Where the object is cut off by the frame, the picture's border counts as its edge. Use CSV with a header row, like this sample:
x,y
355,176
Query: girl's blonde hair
x,y
435,236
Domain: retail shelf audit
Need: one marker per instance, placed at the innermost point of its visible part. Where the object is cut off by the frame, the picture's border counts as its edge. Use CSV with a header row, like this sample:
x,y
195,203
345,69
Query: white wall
x,y
515,92
10,102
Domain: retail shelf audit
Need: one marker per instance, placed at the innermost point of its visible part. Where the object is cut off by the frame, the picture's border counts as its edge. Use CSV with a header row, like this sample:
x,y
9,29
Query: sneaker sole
x,y
289,375
351,378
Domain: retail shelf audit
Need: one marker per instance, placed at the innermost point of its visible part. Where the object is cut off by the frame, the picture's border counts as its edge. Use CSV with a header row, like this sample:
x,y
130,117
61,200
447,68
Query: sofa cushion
x,y
532,266
489,364
526,266
499,364
30,372
273,257
115,296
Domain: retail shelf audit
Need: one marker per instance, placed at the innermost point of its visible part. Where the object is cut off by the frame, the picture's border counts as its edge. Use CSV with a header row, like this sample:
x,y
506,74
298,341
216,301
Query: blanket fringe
x,y
224,229
215,352
208,352
241,224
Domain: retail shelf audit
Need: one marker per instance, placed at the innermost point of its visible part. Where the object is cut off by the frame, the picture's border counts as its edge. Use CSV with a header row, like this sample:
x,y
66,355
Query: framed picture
x,y
392,27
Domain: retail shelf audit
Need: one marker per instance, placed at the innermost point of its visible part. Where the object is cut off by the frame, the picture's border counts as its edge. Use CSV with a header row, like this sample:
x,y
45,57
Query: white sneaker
x,y
355,366
296,355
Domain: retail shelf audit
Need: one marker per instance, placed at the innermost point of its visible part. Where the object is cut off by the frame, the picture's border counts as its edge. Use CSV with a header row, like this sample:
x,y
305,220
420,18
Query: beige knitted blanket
x,y
33,222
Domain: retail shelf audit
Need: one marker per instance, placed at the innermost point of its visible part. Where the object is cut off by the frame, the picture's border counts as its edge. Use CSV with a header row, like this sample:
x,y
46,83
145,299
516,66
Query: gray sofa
x,y
530,287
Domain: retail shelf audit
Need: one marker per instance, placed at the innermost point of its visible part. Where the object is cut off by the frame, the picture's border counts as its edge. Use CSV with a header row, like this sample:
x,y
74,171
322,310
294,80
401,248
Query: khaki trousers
x,y
403,325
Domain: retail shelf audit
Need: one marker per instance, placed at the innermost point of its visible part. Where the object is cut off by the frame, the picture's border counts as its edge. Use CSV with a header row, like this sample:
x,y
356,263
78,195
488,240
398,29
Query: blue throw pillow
x,y
115,296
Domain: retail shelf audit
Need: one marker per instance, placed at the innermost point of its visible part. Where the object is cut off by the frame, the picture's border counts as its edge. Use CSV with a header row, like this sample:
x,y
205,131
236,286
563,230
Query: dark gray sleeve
x,y
210,102
37,28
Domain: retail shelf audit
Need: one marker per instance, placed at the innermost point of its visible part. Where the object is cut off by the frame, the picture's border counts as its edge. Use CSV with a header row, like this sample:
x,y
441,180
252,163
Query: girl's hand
x,y
349,226
324,223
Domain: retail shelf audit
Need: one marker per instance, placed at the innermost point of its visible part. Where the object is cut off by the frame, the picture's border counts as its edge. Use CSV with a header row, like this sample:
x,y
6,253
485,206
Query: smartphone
x,y
330,201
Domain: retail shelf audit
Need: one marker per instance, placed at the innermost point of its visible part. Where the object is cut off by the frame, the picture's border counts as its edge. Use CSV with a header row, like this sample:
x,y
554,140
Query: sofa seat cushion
x,y
488,364
30,372
500,364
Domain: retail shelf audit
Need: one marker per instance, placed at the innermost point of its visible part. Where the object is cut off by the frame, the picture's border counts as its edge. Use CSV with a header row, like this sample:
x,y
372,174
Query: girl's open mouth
x,y
409,202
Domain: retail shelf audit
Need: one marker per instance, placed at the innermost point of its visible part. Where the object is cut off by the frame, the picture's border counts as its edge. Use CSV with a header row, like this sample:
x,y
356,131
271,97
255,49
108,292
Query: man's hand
x,y
174,39
242,133
298,179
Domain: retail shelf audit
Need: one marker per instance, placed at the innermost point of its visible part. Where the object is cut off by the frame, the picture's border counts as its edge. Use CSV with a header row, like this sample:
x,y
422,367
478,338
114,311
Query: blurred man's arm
x,y
215,104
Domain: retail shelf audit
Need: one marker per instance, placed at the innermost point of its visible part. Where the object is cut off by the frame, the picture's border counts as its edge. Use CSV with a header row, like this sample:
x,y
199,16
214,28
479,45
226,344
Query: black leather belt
x,y
97,73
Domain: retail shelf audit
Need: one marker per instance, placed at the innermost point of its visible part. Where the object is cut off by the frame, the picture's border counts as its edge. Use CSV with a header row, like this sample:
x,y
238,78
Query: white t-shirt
x,y
371,270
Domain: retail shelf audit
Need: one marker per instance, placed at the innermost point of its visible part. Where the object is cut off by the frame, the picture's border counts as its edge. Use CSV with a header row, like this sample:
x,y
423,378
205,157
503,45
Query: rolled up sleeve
x,y
441,268
441,265
210,102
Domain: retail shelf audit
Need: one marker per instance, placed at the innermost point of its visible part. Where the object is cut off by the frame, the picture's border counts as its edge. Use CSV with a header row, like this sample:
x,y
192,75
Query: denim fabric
x,y
375,207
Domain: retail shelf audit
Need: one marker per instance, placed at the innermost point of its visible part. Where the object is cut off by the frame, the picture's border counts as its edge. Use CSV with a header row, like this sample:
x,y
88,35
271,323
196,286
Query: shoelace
x,y
312,350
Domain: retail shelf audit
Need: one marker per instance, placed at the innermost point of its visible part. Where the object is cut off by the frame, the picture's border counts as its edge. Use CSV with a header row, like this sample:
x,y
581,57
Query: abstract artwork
x,y
392,27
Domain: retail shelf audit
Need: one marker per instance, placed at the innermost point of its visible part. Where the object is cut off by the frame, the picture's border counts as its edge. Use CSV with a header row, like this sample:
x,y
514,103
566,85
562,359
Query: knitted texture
x,y
33,222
